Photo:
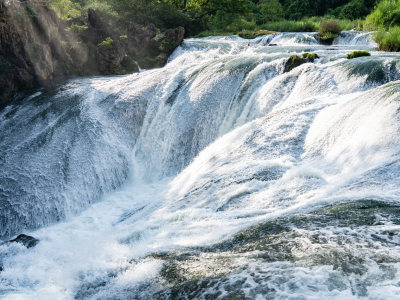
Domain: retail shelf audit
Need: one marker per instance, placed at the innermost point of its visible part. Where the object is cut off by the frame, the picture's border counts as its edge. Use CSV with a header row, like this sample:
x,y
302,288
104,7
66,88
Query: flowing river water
x,y
219,176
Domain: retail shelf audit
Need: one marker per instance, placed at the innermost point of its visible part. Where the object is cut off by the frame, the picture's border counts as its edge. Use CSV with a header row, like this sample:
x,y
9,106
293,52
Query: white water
x,y
190,154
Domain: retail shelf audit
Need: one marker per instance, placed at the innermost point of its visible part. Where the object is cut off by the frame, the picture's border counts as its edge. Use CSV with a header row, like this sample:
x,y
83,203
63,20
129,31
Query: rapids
x,y
218,176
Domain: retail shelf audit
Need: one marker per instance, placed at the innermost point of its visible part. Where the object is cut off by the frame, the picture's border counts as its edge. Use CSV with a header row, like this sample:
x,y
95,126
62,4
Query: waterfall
x,y
131,171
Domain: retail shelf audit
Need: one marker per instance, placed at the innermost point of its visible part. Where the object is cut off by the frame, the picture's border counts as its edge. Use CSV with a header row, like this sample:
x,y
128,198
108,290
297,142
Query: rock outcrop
x,y
39,49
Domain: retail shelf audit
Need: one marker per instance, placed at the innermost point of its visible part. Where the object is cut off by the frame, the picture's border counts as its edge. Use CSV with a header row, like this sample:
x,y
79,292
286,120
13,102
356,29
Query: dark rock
x,y
26,240
152,50
139,38
36,49
105,44
33,41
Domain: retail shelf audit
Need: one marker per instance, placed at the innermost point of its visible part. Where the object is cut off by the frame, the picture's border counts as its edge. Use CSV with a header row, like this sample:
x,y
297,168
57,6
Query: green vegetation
x,y
385,18
107,43
216,17
291,26
328,30
388,40
247,34
356,54
310,56
77,29
293,62
247,18
385,15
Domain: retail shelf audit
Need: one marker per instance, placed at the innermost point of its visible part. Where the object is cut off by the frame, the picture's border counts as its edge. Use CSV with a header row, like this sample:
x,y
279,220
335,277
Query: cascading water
x,y
215,177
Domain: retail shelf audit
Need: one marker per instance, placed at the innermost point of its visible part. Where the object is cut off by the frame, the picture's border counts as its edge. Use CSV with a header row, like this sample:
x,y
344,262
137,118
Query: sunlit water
x,y
218,176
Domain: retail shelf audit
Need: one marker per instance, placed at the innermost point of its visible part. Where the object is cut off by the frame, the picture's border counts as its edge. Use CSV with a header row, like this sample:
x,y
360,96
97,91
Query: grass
x,y
356,54
385,15
388,40
290,26
249,30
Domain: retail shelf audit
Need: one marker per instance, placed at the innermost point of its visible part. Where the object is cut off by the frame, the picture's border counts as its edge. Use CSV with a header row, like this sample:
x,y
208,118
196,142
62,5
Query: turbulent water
x,y
219,176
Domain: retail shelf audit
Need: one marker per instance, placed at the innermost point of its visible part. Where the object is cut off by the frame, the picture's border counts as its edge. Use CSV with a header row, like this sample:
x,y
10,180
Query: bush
x,y
388,41
107,43
77,29
385,15
356,54
329,30
66,9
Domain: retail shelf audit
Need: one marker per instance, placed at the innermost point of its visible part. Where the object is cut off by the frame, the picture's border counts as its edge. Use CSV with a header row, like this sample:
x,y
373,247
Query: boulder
x,y
26,240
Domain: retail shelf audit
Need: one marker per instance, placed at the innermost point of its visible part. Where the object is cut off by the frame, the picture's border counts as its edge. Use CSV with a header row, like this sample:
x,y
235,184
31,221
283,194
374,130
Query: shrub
x,y
107,43
385,15
388,41
356,54
77,29
328,30
66,9
310,56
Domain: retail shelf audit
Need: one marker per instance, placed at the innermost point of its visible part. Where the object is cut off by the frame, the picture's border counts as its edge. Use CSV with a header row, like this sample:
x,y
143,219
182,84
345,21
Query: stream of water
x,y
219,176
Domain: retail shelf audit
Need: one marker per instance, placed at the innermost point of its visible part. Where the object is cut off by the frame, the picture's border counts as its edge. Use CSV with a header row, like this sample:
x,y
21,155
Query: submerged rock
x,y
26,240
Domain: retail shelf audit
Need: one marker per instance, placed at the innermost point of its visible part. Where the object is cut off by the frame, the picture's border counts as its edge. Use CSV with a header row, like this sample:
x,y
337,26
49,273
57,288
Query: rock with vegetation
x,y
310,56
104,44
39,47
356,54
328,31
294,61
248,34
34,47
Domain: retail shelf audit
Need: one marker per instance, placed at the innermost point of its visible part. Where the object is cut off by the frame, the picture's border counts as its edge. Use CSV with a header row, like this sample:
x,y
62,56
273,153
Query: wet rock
x,y
152,50
26,240
293,62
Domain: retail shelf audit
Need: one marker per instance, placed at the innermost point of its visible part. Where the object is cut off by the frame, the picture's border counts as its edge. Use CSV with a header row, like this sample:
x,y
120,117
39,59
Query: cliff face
x,y
38,49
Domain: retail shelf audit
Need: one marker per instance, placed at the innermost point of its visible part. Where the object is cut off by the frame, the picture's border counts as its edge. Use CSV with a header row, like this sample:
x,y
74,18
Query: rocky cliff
x,y
38,49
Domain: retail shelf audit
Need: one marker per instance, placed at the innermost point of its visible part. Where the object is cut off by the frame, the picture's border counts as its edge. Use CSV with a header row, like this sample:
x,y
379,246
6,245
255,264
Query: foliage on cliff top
x,y
217,15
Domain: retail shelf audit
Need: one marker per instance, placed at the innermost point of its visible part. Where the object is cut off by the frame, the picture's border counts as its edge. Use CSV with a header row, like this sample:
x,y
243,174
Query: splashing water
x,y
217,176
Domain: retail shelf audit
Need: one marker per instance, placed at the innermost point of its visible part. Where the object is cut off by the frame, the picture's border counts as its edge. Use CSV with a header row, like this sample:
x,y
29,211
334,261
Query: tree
x,y
268,11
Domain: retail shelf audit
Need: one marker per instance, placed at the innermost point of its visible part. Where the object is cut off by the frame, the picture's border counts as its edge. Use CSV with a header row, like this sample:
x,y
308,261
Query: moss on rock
x,y
310,56
356,54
